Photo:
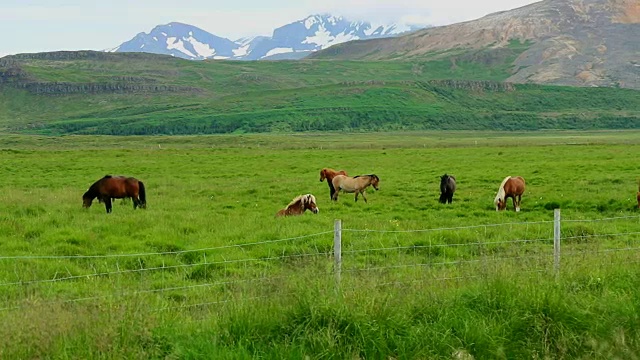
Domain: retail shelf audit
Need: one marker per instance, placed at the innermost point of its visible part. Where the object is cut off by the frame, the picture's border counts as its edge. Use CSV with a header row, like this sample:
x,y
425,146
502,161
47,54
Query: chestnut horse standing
x,y
299,205
116,187
511,187
357,184
329,174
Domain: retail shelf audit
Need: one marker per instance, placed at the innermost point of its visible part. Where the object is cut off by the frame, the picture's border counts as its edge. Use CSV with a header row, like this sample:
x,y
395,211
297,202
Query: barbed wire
x,y
457,262
149,291
447,278
600,251
603,219
217,302
32,257
446,245
599,235
170,267
449,228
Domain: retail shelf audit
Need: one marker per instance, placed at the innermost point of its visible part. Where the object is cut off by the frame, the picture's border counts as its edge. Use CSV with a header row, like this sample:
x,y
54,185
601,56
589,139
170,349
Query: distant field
x,y
141,94
207,271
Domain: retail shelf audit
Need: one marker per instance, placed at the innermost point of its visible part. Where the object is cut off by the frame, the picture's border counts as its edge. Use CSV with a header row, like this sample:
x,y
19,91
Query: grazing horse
x,y
116,187
638,196
447,188
511,187
329,174
299,205
357,184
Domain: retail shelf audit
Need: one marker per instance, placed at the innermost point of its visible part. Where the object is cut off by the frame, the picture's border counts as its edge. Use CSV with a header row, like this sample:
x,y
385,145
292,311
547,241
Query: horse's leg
x,y
450,198
519,202
357,193
334,197
107,204
363,196
136,202
515,203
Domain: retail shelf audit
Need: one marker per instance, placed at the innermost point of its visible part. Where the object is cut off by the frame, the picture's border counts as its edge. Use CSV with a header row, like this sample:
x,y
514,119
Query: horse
x,y
329,174
116,187
357,184
299,205
511,187
638,196
447,188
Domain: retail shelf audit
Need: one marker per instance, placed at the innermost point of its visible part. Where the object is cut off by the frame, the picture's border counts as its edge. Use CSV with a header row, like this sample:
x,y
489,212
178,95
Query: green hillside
x,y
125,94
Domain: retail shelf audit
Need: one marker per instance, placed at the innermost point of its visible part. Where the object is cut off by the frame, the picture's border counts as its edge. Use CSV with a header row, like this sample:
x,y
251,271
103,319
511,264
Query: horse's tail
x,y
142,194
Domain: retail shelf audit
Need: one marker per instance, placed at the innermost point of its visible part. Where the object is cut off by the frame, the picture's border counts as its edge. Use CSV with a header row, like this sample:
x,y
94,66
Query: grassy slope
x,y
210,191
304,95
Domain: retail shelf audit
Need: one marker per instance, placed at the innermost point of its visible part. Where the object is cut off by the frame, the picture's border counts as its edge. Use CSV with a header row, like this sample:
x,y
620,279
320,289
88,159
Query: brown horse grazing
x,y
511,187
329,174
116,187
299,205
357,184
638,195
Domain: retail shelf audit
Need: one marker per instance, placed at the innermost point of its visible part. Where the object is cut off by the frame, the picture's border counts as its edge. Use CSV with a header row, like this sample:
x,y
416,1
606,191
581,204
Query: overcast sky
x,y
48,25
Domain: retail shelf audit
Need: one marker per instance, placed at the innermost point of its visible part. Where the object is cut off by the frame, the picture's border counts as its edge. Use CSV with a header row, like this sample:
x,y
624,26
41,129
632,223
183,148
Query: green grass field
x,y
207,271
142,94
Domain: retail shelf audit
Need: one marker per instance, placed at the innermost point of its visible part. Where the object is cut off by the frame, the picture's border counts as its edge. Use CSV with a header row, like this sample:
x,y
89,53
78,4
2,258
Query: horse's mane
x,y
501,194
299,198
369,175
93,190
107,176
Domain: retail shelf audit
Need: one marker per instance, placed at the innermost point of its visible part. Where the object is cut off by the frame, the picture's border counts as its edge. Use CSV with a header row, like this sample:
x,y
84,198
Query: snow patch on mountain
x,y
293,40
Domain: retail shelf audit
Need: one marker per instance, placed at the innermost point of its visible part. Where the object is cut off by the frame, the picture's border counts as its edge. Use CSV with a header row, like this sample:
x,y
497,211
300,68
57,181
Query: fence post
x,y
556,241
337,249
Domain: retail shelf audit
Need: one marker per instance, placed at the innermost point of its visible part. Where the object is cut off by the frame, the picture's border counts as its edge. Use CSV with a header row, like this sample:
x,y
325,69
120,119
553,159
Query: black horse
x,y
447,188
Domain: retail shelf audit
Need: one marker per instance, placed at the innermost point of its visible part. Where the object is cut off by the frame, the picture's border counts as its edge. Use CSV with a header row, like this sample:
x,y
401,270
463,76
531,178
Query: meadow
x,y
93,93
208,271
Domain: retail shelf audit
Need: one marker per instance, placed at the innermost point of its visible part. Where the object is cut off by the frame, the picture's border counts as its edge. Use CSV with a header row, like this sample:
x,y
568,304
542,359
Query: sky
x,y
50,25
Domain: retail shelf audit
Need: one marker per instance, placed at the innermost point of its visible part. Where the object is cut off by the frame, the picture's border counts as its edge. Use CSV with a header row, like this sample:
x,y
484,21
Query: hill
x,y
568,42
134,93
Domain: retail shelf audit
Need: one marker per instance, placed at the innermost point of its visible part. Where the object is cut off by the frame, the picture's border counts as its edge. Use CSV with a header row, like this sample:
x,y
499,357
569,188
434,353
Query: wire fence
x,y
395,257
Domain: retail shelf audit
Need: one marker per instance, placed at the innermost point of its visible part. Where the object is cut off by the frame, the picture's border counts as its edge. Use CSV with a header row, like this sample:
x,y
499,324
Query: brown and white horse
x,y
511,187
329,174
299,205
357,184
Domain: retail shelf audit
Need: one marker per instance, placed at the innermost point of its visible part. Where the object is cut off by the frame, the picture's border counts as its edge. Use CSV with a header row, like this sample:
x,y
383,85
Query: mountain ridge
x,y
291,41
572,42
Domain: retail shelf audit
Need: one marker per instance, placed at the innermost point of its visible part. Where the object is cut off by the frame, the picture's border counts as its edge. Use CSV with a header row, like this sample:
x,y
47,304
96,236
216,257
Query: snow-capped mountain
x,y
292,41
180,40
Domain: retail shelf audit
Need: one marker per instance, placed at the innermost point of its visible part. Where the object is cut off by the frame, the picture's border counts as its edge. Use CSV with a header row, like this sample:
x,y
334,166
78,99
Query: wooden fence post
x,y
556,241
337,249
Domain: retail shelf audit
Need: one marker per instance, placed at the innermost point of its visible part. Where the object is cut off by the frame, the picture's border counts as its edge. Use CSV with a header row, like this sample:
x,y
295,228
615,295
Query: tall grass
x,y
210,272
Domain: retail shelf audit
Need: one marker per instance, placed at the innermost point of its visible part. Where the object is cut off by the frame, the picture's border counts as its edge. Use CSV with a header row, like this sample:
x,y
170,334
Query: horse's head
x,y
444,178
323,174
309,203
500,201
86,201
375,180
